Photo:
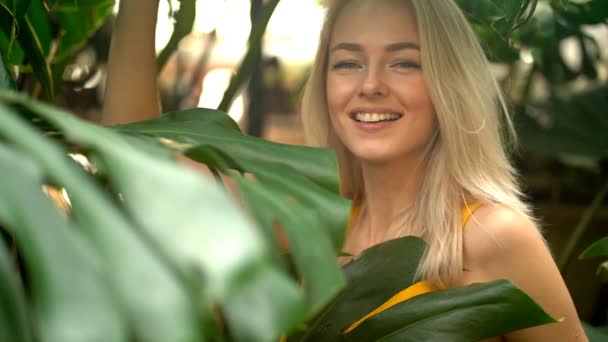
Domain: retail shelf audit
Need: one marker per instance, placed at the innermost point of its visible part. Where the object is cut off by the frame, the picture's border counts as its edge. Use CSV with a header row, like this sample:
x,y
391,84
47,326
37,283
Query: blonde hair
x,y
467,160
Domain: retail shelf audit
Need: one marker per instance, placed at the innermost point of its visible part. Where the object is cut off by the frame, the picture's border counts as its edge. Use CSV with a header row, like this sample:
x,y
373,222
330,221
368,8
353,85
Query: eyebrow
x,y
354,47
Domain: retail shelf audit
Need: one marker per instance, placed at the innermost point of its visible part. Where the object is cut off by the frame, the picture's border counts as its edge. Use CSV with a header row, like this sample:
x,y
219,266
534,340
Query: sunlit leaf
x,y
159,311
67,279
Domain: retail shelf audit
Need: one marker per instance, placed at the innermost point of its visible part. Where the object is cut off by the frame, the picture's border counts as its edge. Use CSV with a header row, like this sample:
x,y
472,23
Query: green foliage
x,y
14,321
28,29
6,81
596,334
447,315
599,248
150,251
194,251
160,252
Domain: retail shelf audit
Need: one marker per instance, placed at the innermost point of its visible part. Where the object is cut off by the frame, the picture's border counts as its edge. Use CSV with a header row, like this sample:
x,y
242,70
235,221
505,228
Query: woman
x,y
402,91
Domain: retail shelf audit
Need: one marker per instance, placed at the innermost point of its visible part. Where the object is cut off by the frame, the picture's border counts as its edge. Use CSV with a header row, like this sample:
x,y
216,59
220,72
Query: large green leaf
x,y
65,275
192,225
15,324
470,313
458,314
189,128
155,302
295,186
378,274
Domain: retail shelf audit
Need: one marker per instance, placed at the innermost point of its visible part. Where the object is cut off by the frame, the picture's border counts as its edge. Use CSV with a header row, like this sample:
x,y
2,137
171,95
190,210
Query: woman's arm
x,y
499,243
131,88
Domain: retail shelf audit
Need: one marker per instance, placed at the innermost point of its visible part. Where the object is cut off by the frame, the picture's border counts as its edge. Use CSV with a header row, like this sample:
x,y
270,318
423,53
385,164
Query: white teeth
x,y
376,117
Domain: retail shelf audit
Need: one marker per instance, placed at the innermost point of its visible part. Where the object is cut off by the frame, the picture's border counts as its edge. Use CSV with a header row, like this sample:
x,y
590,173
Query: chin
x,y
373,156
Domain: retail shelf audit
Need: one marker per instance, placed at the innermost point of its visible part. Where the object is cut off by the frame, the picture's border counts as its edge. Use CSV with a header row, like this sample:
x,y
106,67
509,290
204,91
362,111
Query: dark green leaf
x,y
458,314
378,274
586,13
75,4
77,23
463,314
599,248
15,324
35,39
11,50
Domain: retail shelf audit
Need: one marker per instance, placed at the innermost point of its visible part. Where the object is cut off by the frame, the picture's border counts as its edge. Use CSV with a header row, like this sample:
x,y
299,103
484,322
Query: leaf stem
x,y
581,228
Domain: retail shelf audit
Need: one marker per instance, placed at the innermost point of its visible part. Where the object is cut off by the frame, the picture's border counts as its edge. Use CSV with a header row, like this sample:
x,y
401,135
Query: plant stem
x,y
581,228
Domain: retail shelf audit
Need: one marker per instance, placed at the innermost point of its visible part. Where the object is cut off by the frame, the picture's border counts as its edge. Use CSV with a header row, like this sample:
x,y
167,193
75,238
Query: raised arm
x,y
131,89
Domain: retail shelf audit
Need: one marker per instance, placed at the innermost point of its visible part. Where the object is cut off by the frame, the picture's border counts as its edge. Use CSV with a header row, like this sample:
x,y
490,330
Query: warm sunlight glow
x,y
214,86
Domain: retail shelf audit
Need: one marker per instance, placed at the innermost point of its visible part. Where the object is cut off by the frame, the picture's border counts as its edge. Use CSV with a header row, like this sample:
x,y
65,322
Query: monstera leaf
x,y
469,313
165,246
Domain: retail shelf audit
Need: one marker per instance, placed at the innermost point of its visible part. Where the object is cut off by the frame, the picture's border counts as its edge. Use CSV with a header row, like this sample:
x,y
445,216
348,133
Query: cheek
x,y
339,92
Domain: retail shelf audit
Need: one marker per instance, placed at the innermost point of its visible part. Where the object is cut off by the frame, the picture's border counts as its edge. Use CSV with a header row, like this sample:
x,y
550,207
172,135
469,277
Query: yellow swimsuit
x,y
414,289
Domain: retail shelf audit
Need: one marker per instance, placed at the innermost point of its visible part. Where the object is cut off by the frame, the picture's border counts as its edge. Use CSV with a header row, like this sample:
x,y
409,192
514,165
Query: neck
x,y
390,189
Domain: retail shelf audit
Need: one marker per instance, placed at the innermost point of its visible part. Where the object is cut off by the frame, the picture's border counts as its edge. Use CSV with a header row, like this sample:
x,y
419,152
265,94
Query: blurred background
x,y
251,58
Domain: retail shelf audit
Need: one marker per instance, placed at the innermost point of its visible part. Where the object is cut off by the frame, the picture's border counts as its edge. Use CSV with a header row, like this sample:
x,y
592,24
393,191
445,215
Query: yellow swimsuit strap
x,y
412,290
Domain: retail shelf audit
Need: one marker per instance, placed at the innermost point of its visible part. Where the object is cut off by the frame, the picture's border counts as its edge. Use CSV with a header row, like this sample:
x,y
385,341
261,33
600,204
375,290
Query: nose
x,y
373,84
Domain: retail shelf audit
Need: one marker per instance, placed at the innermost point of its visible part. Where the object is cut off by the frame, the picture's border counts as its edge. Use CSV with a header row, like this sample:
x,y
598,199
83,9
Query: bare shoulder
x,y
500,243
496,233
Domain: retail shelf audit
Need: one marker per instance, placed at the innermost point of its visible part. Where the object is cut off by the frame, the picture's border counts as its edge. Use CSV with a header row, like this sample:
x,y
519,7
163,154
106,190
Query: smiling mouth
x,y
376,117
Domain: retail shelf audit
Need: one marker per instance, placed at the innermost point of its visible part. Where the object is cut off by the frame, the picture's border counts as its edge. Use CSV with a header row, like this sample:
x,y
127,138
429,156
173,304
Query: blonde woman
x,y
402,91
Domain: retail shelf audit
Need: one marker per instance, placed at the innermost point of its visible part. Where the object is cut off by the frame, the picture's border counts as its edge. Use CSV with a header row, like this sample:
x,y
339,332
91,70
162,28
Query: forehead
x,y
375,22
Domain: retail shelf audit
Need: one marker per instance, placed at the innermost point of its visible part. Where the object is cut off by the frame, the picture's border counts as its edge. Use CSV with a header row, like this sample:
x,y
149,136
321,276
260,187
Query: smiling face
x,y
376,93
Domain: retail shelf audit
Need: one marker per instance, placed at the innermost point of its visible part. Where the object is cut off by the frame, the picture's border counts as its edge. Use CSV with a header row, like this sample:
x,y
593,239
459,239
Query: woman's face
x,y
377,97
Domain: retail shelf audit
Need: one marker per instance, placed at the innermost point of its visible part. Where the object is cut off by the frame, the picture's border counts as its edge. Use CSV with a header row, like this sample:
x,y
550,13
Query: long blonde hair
x,y
467,160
